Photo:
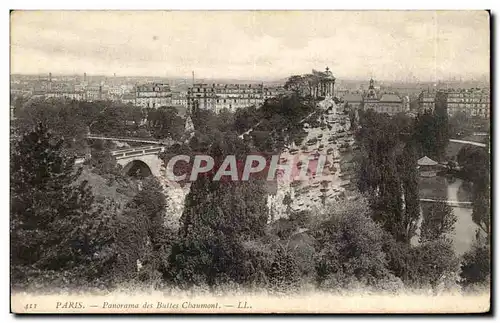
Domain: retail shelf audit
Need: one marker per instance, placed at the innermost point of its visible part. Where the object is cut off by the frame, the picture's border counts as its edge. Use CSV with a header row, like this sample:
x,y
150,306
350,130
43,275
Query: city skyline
x,y
386,45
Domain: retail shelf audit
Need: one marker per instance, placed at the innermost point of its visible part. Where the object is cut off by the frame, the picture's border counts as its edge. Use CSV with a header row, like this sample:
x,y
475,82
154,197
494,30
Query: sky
x,y
385,45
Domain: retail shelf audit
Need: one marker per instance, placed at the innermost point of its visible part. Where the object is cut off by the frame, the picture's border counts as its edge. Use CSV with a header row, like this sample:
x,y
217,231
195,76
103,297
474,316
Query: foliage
x,y
431,262
431,131
427,264
302,85
387,173
165,123
476,264
104,164
349,245
245,119
72,120
142,235
475,163
217,217
296,83
59,116
54,224
62,234
284,275
438,221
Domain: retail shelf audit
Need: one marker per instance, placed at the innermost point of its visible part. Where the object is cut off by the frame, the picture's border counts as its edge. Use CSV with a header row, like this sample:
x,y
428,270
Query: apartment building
x,y
153,95
472,102
216,97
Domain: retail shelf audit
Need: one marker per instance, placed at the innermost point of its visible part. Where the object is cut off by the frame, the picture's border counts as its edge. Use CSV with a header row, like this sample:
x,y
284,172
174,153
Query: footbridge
x,y
163,142
451,203
467,142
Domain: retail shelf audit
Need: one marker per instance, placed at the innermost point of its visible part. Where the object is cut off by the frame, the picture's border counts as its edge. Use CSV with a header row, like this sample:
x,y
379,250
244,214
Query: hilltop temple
x,y
324,84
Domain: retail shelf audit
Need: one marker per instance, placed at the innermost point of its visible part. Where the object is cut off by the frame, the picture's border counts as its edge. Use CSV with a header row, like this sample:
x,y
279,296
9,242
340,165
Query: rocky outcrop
x,y
328,135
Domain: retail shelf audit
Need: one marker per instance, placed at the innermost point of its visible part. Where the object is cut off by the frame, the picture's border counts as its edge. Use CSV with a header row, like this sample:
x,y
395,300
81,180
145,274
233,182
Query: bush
x,y
425,265
350,248
476,265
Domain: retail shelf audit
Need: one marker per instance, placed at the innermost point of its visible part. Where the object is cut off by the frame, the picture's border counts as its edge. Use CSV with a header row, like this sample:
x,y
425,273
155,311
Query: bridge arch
x,y
137,168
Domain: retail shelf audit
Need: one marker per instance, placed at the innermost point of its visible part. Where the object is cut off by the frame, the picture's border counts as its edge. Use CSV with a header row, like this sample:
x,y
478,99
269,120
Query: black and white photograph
x,y
250,161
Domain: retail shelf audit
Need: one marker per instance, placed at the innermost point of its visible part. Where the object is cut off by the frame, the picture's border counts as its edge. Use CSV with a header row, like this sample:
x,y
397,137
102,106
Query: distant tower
x,y
50,81
371,90
193,77
84,77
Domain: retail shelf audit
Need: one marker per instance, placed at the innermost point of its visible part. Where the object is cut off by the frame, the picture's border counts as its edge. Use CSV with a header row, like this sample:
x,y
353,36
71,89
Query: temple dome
x,y
329,74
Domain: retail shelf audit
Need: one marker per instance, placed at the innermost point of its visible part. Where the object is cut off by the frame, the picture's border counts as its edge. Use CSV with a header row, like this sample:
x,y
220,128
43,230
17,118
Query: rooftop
x,y
153,87
390,98
352,97
128,96
426,161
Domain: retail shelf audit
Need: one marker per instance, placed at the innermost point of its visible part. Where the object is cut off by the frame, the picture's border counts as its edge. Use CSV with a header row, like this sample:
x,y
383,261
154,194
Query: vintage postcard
x,y
250,162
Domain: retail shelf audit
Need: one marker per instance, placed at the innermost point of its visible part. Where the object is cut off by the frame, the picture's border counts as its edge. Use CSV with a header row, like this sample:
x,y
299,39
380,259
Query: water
x,y
465,228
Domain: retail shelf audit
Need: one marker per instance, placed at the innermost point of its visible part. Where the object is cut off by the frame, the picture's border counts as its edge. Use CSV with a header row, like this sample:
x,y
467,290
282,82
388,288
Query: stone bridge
x,y
140,161
137,161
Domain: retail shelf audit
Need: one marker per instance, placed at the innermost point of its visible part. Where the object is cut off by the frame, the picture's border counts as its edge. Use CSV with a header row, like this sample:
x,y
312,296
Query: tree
x,y
431,130
112,120
388,174
407,168
427,264
475,163
287,201
218,217
284,272
442,124
438,220
166,123
245,119
459,124
476,264
104,164
349,245
59,115
54,226
296,83
143,236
